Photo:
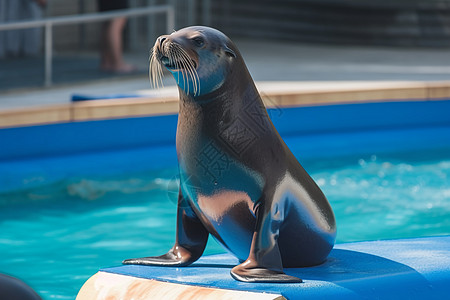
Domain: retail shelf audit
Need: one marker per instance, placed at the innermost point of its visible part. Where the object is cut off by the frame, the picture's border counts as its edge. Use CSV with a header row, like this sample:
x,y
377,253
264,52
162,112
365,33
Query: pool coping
x,y
273,96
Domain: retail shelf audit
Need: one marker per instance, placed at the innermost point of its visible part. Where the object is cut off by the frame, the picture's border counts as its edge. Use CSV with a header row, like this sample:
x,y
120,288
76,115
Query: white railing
x,y
48,24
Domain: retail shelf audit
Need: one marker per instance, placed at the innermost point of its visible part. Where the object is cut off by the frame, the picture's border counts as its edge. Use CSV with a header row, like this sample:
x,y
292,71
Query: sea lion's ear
x,y
229,52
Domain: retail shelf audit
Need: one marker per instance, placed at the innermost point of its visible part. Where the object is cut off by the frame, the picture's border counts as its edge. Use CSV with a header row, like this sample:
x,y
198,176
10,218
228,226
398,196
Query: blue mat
x,y
84,97
392,269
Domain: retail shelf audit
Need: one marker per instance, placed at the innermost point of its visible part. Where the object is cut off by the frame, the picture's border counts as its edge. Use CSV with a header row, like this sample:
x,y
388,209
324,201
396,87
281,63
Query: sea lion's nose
x,y
161,39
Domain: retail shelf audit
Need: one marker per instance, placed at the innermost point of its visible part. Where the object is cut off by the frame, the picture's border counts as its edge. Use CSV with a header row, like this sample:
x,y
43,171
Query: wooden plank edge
x,y
35,116
114,286
123,108
140,107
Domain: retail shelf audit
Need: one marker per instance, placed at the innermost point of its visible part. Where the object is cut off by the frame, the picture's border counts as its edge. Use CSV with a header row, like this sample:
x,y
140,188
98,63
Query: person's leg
x,y
113,60
105,56
115,39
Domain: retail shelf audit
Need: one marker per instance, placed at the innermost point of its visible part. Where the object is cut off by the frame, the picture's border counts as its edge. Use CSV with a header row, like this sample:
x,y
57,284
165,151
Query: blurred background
x,y
295,39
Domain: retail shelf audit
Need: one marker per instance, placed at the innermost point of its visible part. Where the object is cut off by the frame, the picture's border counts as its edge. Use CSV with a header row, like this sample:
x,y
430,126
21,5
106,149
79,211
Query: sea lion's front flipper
x,y
264,262
190,240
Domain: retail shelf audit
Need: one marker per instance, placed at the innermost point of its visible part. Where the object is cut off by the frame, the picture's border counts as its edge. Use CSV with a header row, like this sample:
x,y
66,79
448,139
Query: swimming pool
x,y
80,196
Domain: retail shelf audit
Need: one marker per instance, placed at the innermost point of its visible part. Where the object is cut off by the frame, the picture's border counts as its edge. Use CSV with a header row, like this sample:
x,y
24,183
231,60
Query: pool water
x,y
55,237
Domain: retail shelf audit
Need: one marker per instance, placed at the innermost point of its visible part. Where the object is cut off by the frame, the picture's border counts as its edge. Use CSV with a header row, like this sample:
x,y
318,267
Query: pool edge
x,y
325,94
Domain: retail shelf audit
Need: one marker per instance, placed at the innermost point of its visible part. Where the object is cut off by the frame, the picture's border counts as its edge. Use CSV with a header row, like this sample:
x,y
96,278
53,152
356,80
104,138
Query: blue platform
x,y
390,269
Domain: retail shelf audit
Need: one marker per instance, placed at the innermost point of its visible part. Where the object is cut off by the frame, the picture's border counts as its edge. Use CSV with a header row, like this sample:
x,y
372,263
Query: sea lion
x,y
12,288
239,181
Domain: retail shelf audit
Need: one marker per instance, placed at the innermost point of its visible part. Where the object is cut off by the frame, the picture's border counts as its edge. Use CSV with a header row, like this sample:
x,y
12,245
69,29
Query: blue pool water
x,y
55,236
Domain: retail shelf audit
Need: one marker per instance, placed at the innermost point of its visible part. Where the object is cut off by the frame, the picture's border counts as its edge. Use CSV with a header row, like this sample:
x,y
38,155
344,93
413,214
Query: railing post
x,y
48,53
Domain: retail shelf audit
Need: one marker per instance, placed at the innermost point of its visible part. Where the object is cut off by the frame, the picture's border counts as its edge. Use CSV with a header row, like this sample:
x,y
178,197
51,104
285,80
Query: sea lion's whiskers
x,y
151,69
194,74
170,55
186,68
189,66
156,74
155,70
159,69
178,58
180,66
184,71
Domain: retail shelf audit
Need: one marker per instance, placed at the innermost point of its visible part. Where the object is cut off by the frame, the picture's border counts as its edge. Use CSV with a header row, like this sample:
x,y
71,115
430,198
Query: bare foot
x,y
120,69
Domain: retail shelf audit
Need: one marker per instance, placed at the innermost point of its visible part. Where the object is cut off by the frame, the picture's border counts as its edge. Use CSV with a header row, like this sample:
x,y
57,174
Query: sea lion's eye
x,y
198,41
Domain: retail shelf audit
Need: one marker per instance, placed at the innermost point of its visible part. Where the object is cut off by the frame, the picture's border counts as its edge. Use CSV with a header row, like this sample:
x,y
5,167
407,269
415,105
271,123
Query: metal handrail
x,y
48,24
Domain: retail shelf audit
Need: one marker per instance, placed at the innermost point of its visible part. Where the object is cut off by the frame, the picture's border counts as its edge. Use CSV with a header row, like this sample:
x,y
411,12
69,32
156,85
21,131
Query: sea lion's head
x,y
198,57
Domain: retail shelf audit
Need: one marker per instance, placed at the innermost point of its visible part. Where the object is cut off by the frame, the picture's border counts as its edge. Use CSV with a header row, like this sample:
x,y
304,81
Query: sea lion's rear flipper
x,y
190,240
264,262
262,275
